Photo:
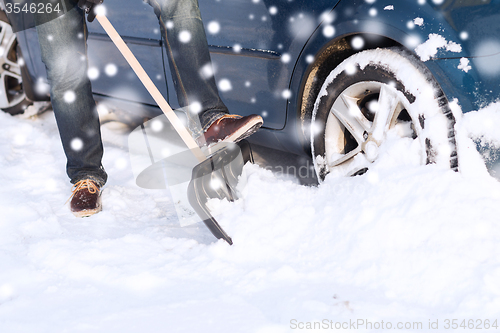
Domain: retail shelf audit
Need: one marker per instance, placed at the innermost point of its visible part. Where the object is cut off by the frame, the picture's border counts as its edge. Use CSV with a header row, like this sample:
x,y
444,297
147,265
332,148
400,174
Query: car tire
x,y
13,97
370,93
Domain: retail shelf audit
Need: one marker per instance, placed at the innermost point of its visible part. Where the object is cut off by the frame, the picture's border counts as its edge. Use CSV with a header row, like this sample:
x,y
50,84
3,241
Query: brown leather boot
x,y
86,198
231,128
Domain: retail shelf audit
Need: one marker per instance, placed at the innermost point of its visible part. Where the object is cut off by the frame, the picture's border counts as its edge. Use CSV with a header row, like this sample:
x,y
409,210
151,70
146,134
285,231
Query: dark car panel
x,y
270,71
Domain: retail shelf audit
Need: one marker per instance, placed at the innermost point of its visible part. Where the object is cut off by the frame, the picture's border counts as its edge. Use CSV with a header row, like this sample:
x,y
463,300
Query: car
x,y
330,78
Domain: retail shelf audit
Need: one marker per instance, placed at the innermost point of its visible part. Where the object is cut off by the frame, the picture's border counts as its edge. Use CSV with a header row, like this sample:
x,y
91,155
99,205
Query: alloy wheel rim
x,y
357,125
11,91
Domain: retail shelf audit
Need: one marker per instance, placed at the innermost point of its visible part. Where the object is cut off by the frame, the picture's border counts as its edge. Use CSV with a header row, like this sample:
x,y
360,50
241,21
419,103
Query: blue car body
x,y
275,53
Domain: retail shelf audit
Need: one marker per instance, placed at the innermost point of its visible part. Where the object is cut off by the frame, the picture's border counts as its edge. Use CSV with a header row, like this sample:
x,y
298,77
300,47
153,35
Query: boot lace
x,y
234,116
82,184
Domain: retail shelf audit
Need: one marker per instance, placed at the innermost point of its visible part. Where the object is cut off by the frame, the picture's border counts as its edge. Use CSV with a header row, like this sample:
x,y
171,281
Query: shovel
x,y
221,168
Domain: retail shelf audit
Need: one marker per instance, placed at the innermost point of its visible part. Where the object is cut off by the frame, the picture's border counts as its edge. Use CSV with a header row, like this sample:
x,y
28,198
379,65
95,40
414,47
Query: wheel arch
x,y
327,59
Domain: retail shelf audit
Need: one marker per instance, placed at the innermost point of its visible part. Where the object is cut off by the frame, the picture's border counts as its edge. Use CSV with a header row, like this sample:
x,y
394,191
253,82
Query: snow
x,y
464,65
213,27
329,31
418,21
111,70
430,47
184,36
225,85
389,7
403,243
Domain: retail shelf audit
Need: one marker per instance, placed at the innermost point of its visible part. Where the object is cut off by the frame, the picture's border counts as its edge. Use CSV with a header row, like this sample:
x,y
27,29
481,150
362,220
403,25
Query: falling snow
x,y
225,85
285,58
207,71
69,96
390,7
157,125
329,31
184,36
357,43
111,70
213,27
93,73
327,17
76,144
195,107
237,48
286,94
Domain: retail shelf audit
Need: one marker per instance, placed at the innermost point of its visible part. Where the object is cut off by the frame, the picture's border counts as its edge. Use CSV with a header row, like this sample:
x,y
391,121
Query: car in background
x,y
330,78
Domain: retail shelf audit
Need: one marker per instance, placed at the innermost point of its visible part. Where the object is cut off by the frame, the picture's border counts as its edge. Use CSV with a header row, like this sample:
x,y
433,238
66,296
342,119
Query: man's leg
x,y
191,68
64,52
189,60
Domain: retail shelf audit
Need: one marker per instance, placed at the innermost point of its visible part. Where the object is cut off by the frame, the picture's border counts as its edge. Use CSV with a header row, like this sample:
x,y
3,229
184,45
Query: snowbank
x,y
403,243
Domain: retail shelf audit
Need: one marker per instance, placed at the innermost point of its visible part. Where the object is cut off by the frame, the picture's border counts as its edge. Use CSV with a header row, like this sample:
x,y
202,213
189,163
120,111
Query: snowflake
x,y
357,43
111,69
195,107
93,73
76,144
225,85
285,58
213,27
156,125
69,96
184,36
237,48
207,71
350,69
329,31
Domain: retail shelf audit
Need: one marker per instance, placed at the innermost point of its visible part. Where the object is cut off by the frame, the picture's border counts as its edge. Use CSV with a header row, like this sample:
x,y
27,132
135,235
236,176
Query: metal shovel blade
x,y
160,160
216,178
218,162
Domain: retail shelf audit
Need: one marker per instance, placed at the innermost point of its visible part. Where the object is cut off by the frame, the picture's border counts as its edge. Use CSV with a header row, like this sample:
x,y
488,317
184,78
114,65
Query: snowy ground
x,y
402,244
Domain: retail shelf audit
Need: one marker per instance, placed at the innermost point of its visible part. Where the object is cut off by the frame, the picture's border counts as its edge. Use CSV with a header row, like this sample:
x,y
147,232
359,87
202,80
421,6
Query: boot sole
x,y
88,212
245,131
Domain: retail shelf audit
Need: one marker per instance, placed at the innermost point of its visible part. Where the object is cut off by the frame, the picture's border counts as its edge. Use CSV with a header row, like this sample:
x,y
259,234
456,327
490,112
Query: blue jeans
x,y
63,44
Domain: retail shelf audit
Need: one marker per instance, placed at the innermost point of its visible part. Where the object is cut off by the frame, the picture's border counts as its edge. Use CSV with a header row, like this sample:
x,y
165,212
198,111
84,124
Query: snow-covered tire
x,y
13,97
370,93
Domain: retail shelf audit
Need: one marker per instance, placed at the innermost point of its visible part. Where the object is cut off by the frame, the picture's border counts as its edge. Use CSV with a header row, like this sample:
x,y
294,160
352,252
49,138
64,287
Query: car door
x,y
111,76
254,46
